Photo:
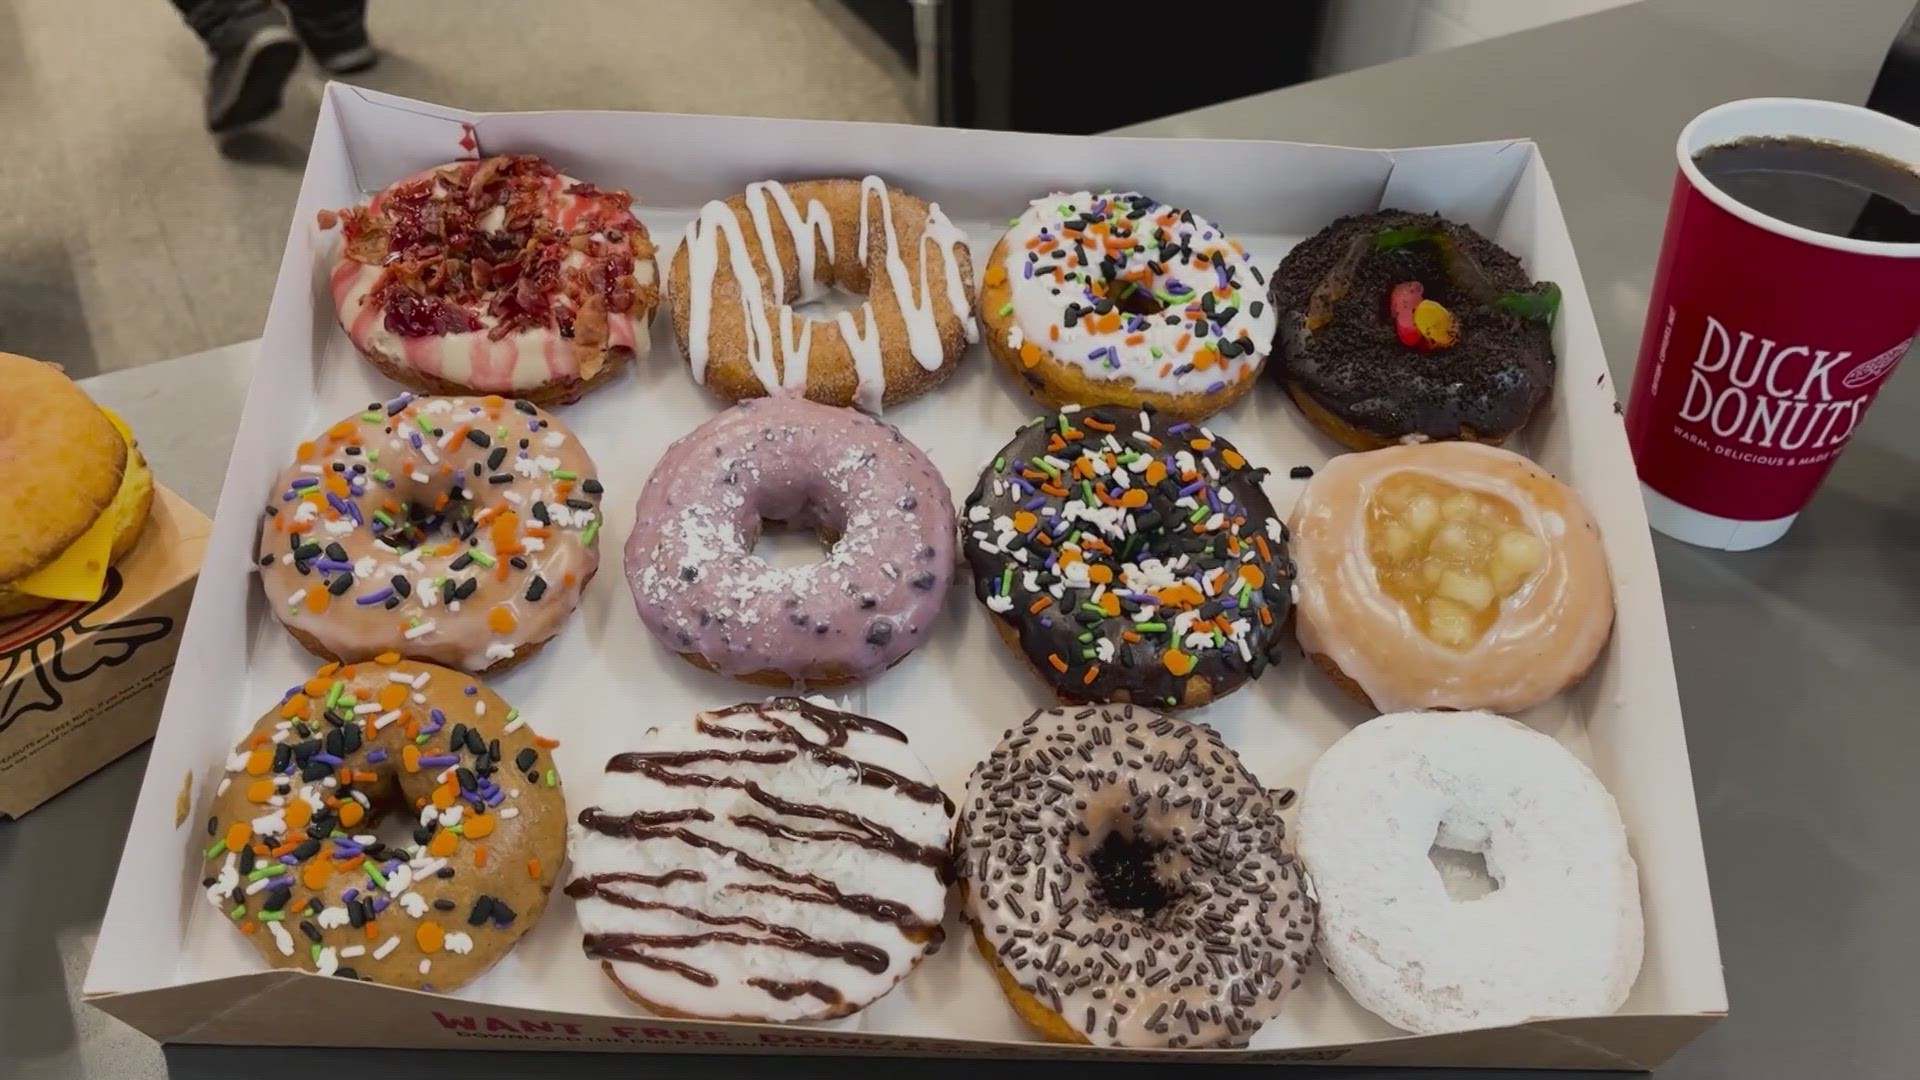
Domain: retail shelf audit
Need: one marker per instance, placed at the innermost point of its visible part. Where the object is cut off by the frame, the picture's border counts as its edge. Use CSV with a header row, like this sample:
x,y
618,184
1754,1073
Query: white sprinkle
x,y
1069,409
428,815
273,824
365,567
414,904
353,952
329,961
385,719
296,598
401,677
1000,604
332,918
419,698
225,783
459,943
421,478
366,707
515,724
420,681
509,813
386,947
426,966
479,704
281,939
451,816
420,631
365,839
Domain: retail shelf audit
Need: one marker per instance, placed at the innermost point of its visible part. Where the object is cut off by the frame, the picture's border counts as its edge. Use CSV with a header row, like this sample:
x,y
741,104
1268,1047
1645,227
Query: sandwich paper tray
x,y
170,965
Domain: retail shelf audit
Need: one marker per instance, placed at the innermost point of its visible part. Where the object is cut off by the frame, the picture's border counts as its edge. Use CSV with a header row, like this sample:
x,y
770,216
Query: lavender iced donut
x,y
704,593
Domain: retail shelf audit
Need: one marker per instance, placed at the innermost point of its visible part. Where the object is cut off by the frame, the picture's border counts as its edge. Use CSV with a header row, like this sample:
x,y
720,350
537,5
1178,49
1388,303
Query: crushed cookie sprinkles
x,y
1126,870
295,862
1131,554
461,529
1125,287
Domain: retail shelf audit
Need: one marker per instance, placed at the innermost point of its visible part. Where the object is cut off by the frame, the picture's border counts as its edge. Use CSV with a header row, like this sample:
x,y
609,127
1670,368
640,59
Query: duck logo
x,y
1874,368
35,662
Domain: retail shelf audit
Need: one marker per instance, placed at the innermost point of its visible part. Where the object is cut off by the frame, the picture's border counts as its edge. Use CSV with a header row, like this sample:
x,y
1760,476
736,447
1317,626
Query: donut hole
x,y
786,545
1459,855
1126,876
823,305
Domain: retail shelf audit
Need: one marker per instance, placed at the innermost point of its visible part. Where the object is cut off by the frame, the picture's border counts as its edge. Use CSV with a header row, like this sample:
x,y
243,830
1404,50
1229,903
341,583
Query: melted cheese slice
x,y
80,573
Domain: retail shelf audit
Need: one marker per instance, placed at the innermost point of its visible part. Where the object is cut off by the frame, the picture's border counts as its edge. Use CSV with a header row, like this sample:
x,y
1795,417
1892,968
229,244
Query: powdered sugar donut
x,y
1561,935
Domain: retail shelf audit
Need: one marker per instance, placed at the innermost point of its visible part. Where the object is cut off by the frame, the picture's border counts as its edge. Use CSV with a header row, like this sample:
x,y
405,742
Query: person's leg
x,y
252,54
334,32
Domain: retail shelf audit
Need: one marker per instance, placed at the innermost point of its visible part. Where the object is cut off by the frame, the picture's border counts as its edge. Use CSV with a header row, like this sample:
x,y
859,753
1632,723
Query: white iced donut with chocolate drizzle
x,y
748,260
1448,575
1561,935
780,861
1130,882
1116,299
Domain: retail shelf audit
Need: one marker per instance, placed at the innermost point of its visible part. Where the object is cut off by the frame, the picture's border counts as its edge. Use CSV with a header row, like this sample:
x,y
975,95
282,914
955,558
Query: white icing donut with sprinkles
x,y
460,530
1118,299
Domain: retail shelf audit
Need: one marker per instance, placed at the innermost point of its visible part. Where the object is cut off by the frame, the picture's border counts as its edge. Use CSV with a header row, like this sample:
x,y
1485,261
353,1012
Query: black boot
x,y
252,54
334,32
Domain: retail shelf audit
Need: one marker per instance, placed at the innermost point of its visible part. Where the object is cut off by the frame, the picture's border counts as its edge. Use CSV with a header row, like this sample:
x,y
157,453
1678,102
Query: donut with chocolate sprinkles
x,y
1131,882
1130,557
1398,327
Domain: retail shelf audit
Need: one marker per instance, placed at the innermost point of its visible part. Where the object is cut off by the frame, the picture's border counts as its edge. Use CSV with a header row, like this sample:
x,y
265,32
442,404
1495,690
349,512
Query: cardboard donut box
x,y
171,966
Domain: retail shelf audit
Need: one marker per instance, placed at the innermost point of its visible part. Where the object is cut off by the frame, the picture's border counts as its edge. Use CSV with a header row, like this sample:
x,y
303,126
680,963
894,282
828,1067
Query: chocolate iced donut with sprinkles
x,y
1130,558
296,862
1118,299
460,530
1131,883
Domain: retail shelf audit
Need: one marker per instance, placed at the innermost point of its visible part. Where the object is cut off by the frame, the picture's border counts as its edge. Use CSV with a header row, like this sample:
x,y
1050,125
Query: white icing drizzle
x,y
781,363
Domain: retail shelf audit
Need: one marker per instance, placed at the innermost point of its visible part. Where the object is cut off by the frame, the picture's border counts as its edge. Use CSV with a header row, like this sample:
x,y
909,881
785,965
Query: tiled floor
x,y
127,235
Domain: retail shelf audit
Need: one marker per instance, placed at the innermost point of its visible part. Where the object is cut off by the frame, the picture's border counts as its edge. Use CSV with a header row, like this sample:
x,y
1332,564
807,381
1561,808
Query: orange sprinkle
x,y
372,930
259,762
260,791
1232,457
480,826
444,795
568,579
1177,662
1040,605
337,485
1105,324
996,274
341,430
1110,604
392,696
545,743
1097,424
1053,333
295,707
1029,353
1181,345
493,401
249,926
1133,339
1204,359
305,452
410,758
429,937
1260,545
1156,472
1058,664
299,813
388,658
1134,498
1201,444
1251,574
352,813
1129,636
479,855
500,620
505,533
533,869
1266,616
318,598
351,865
238,834
1093,671
1100,574
1023,520
315,874
443,844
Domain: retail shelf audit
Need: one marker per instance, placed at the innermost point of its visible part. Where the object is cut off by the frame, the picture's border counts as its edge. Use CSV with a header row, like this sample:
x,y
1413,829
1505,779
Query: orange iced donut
x,y
1448,575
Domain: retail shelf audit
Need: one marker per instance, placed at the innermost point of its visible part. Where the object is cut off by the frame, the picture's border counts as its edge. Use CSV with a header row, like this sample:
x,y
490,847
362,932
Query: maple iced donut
x,y
294,862
498,276
769,862
1130,556
748,260
460,530
1448,576
1130,882
701,589
1561,936
1118,299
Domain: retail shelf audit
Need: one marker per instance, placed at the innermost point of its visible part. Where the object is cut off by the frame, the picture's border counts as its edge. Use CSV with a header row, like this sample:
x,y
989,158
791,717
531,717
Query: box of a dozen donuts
x,y
82,680
182,970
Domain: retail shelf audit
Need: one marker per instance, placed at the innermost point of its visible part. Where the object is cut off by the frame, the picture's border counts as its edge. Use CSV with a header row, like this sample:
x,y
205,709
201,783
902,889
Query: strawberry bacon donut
x,y
499,276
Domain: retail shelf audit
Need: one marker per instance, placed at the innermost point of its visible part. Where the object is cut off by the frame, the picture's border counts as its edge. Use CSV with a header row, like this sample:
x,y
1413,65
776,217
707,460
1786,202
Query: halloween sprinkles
x,y
1130,557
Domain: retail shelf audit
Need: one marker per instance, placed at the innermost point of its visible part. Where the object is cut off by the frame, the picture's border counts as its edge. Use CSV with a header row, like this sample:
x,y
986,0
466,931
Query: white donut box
x,y
171,966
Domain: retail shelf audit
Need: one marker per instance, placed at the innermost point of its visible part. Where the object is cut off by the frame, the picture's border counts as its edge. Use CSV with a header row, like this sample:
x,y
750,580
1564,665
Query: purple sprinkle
x,y
1028,268
415,438
1046,623
327,759
339,504
344,849
496,798
284,881
437,717
376,757
399,403
1216,387
349,894
1034,503
375,597
472,690
331,566
1175,288
438,761
1179,427
1193,487
353,510
380,904
1099,352
304,482
289,496
288,860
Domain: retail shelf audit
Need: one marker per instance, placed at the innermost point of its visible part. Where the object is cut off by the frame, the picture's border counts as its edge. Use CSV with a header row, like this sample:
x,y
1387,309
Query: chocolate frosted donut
x,y
1131,882
1407,327
1130,558
704,593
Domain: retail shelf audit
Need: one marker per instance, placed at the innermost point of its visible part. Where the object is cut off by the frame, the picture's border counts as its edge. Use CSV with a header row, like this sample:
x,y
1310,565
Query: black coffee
x,y
1825,186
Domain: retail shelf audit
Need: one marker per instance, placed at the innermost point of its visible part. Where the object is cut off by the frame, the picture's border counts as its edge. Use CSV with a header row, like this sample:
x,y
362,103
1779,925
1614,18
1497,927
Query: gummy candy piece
x,y
1435,325
1401,302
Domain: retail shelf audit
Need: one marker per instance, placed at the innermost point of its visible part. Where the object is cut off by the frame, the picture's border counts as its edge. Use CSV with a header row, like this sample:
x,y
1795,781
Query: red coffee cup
x,y
1765,341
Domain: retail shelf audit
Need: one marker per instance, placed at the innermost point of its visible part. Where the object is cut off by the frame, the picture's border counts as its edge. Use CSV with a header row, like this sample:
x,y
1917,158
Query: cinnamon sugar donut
x,y
499,276
1448,575
748,259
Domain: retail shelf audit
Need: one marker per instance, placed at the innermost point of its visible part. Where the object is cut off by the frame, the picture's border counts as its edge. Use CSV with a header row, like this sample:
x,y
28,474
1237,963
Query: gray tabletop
x,y
1797,663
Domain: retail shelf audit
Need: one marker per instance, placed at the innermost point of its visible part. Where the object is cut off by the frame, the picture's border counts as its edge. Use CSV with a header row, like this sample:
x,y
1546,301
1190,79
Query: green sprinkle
x,y
458,830
271,916
512,715
381,517
500,432
334,692
565,474
374,873
1198,513
1000,464
1086,491
1150,627
1064,426
1006,581
218,849
592,530
1013,221
1006,309
238,910
1045,466
552,778
383,476
480,557
1088,654
1093,607
1155,350
371,417
373,455
268,870
316,952
1086,636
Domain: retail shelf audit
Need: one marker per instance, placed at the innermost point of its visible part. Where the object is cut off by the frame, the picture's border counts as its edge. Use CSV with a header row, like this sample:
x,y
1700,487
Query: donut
x,y
1448,576
768,862
1407,327
733,299
459,530
1128,557
1561,935
872,600
295,861
76,495
1115,299
1130,882
497,276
